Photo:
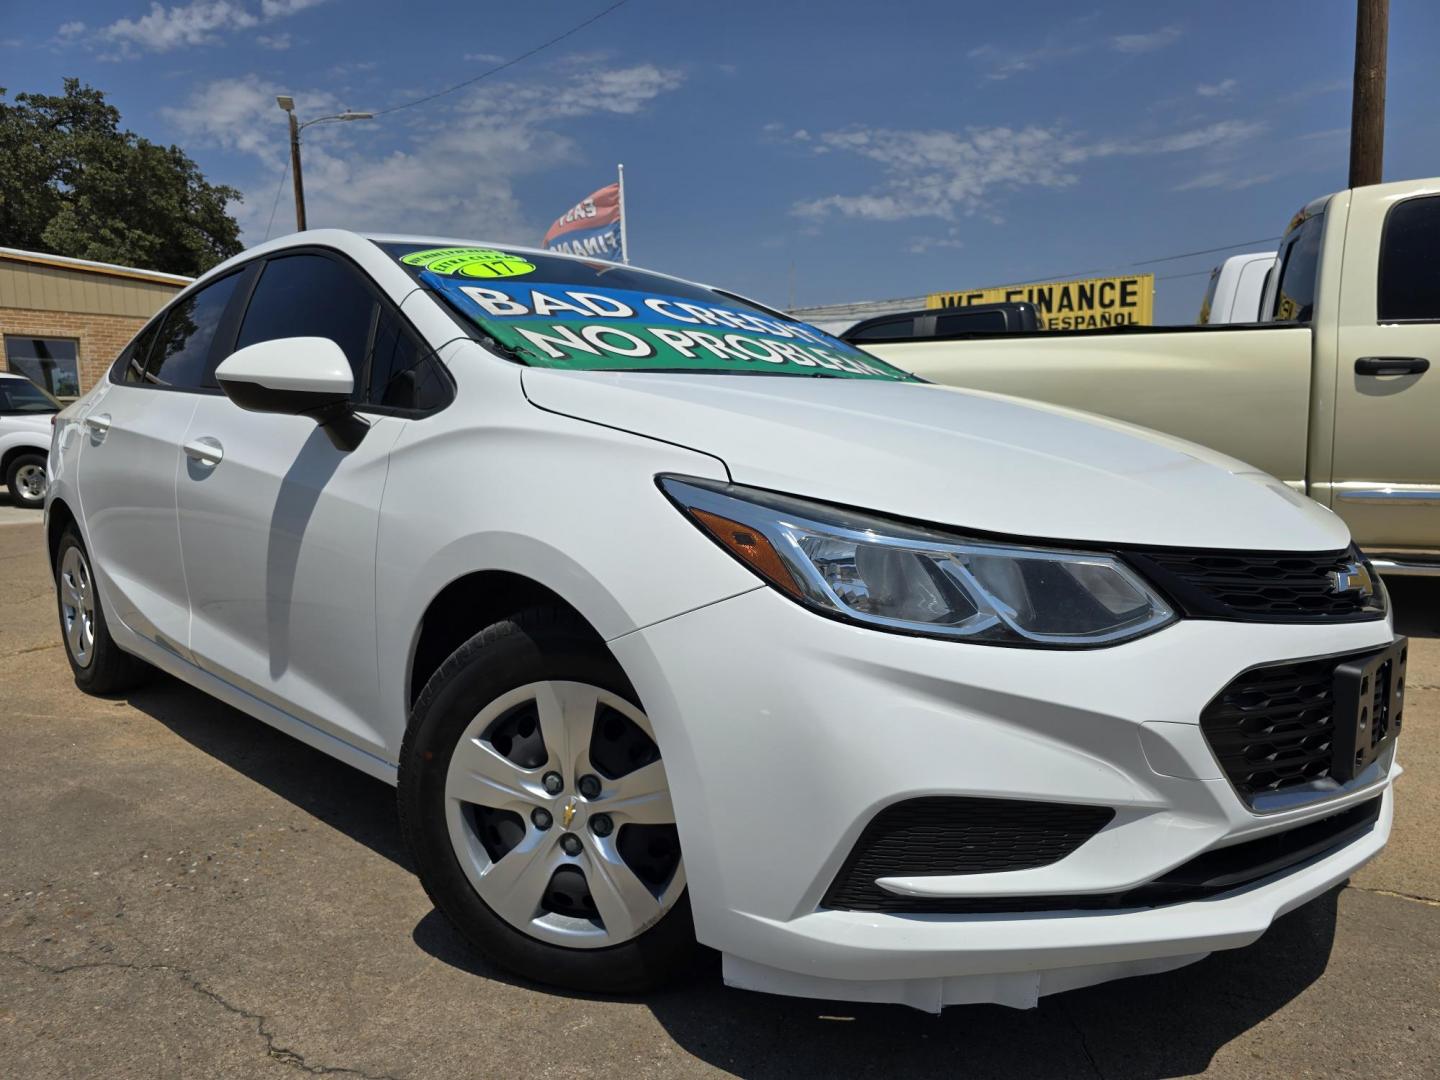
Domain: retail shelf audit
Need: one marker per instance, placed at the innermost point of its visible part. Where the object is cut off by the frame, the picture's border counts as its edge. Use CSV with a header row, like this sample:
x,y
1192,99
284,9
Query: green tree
x,y
72,182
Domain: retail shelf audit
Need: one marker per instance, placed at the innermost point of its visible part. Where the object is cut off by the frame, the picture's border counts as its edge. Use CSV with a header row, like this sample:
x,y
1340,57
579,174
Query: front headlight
x,y
915,580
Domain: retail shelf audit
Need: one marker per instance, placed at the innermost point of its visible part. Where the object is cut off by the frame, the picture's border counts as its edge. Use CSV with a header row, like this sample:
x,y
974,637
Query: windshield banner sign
x,y
598,328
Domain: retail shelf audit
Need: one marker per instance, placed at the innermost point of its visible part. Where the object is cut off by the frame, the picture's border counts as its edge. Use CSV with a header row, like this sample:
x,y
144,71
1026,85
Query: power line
x,y
1193,273
1206,251
276,201
1148,262
508,63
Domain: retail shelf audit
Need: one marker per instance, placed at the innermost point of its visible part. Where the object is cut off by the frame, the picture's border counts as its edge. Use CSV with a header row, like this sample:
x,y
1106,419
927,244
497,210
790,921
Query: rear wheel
x,y
534,799
99,665
26,479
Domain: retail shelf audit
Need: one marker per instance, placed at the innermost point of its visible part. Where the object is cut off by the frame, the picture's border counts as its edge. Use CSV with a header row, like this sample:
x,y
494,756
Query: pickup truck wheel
x,y
535,803
26,479
99,665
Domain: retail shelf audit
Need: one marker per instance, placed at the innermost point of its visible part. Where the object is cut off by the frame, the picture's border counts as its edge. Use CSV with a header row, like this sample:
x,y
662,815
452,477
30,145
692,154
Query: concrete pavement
x,y
185,892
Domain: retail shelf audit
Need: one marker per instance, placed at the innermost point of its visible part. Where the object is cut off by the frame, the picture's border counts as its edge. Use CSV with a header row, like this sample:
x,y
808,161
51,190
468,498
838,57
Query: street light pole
x,y
286,102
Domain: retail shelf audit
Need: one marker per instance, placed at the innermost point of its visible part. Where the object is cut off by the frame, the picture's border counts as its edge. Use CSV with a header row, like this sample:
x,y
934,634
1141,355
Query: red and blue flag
x,y
590,227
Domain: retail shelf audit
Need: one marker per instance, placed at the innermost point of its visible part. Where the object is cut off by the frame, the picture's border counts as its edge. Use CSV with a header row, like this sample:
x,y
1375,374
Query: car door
x,y
129,457
278,526
1386,471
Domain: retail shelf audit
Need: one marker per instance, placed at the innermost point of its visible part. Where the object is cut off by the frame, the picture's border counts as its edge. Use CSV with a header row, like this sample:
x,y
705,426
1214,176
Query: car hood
x,y
965,459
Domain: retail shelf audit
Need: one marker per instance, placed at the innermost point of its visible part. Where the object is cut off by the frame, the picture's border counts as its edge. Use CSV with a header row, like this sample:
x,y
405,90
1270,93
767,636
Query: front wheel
x,y
26,479
534,800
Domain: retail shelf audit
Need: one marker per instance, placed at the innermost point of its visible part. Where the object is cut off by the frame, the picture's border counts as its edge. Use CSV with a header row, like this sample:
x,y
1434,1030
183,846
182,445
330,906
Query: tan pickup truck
x,y
1332,392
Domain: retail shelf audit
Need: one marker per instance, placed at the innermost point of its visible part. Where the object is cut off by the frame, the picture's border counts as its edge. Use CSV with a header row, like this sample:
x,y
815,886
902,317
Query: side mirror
x,y
298,376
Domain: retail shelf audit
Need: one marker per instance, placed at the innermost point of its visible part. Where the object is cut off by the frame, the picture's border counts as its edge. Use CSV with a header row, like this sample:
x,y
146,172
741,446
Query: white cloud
x,y
277,42
200,22
482,57
1221,89
947,174
1223,179
1001,64
1143,43
449,169
278,9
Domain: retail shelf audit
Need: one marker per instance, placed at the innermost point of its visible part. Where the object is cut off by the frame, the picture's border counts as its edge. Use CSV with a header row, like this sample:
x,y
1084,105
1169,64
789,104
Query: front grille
x,y
1211,873
939,835
1265,586
1274,727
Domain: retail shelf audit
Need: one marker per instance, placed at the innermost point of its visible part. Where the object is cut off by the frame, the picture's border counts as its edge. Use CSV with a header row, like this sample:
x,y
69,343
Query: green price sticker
x,y
469,262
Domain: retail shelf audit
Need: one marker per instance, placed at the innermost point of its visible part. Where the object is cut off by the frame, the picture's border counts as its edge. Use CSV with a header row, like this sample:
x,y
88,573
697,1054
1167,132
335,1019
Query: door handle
x,y
205,451
98,425
1391,365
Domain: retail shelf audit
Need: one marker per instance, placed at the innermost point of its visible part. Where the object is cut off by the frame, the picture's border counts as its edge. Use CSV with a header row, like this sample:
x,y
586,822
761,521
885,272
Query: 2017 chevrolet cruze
x,y
673,618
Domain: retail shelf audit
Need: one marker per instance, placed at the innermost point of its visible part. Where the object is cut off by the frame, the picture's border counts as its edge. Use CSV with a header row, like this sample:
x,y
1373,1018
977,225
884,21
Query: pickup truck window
x,y
1299,263
1209,301
1409,288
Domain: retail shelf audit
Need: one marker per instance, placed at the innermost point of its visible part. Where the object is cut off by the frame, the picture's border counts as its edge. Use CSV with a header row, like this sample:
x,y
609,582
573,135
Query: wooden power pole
x,y
300,180
1367,109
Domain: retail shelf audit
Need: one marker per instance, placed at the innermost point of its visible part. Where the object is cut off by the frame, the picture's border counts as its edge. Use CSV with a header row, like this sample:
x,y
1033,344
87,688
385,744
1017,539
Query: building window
x,y
50,363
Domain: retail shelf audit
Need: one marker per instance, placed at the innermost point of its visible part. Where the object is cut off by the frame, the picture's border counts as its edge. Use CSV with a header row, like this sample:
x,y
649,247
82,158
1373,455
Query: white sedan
x,y
676,620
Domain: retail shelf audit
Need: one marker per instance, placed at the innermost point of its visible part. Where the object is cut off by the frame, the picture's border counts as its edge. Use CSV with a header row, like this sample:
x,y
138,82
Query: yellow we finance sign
x,y
1069,305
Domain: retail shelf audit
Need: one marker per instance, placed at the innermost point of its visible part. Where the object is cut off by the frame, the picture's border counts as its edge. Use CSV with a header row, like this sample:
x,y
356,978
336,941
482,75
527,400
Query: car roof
x,y
347,240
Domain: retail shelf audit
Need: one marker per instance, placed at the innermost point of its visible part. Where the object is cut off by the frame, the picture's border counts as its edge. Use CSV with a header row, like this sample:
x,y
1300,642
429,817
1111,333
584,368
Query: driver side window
x,y
311,296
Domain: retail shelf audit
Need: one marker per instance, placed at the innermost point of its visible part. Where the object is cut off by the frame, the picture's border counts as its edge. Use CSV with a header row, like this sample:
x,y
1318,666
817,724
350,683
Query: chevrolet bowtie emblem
x,y
1355,577
568,814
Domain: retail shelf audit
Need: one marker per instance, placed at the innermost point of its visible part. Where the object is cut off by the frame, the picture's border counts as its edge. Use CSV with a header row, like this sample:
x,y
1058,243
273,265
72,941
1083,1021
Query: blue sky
x,y
878,150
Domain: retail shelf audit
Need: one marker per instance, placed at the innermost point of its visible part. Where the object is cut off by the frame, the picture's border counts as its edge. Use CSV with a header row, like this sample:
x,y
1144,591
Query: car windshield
x,y
23,396
582,315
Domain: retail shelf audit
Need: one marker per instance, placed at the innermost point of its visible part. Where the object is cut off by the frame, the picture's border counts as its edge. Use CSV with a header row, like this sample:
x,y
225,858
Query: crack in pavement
x,y
32,648
1084,1042
282,1054
1413,897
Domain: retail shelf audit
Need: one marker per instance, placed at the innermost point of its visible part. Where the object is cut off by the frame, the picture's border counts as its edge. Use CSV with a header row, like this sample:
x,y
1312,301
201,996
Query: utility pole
x,y
295,171
1367,109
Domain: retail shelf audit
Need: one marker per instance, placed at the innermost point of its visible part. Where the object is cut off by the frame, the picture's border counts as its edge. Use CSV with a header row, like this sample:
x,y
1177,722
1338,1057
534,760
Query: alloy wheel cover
x,y
611,885
77,606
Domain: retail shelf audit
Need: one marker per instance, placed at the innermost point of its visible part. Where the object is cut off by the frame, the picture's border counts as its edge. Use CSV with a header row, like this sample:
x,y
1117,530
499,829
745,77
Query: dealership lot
x,y
185,892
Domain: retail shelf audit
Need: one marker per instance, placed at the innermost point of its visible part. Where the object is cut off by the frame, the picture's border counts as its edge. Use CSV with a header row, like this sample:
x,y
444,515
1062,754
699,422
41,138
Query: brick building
x,y
65,320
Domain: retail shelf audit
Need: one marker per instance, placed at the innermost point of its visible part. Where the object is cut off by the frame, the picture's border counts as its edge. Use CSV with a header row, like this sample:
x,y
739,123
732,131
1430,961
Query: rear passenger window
x,y
132,360
404,374
884,331
311,296
180,353
1299,265
1410,262
979,322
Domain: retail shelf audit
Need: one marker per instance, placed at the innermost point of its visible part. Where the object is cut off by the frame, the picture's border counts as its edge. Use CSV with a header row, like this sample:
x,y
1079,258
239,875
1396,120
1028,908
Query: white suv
x,y
26,412
673,619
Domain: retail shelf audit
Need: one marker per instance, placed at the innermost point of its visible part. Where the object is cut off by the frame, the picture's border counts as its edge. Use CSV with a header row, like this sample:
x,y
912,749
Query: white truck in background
x,y
1331,391
1237,286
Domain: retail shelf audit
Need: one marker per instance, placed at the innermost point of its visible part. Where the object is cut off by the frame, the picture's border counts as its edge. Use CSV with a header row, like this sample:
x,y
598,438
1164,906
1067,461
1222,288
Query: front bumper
x,y
783,733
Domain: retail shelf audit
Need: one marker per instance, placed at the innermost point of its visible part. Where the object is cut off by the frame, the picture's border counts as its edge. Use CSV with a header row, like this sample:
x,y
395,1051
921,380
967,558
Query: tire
x,y
99,665
27,485
503,714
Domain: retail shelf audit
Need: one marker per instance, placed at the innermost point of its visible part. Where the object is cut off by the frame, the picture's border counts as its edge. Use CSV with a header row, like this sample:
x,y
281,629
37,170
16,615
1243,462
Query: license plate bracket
x,y
1369,707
